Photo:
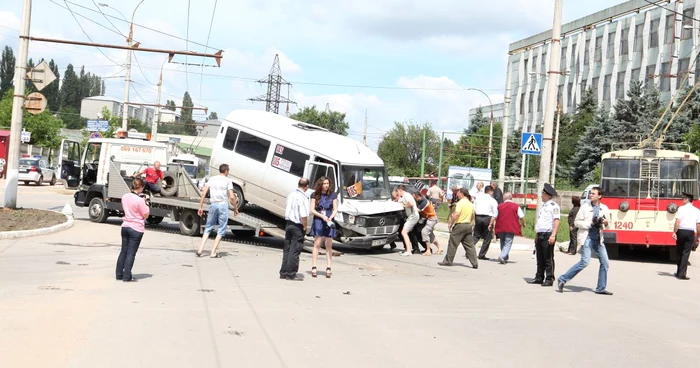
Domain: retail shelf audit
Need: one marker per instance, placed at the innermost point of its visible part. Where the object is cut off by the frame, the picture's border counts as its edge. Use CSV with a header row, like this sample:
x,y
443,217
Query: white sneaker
x,y
405,254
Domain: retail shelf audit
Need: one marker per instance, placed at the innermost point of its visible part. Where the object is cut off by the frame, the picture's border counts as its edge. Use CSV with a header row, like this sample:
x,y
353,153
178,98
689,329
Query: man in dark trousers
x,y
498,196
296,214
687,222
546,227
486,209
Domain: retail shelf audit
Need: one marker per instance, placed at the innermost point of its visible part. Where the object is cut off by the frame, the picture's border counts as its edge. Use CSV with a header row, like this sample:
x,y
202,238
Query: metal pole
x,y
556,142
552,81
442,142
504,135
527,173
127,80
488,164
156,116
12,170
422,159
364,134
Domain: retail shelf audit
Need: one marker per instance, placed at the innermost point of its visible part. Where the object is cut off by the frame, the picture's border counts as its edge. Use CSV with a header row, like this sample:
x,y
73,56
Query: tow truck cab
x,y
87,170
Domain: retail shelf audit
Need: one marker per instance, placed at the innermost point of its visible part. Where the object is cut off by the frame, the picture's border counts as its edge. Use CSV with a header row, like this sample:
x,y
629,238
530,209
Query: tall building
x,y
91,108
606,51
498,110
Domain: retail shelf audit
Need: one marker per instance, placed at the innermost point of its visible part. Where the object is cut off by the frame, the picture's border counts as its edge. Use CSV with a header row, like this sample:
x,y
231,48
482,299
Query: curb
x,y
36,232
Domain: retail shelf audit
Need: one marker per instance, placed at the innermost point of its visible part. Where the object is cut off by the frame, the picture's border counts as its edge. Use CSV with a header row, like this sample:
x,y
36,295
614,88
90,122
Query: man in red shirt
x,y
152,175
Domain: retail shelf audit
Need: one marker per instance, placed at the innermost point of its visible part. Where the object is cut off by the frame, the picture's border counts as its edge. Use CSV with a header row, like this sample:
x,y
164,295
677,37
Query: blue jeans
x,y
506,244
131,239
218,213
602,254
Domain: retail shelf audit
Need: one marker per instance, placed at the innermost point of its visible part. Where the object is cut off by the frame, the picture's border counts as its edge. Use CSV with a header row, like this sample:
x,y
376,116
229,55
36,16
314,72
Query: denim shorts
x,y
218,213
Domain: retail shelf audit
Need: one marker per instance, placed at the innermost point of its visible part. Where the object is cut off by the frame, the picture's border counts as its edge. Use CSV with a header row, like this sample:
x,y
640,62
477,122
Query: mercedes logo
x,y
382,221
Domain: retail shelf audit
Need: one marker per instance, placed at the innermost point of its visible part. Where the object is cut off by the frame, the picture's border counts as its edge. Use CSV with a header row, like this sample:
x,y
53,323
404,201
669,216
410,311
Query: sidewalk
x,y
519,242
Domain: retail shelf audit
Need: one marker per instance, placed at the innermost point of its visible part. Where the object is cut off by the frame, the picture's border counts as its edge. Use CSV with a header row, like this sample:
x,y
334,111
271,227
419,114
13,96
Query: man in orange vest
x,y
509,223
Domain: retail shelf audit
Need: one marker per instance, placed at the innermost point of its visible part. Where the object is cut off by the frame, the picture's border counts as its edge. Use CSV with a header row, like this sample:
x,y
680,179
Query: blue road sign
x,y
97,125
531,143
95,135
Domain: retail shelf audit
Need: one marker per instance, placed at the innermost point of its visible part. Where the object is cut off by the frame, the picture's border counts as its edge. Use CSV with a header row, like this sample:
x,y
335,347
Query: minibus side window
x,y
252,147
289,160
230,138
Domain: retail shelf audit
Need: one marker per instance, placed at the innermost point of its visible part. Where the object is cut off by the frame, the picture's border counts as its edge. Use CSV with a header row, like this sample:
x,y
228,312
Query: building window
x,y
598,54
522,103
534,63
687,22
654,34
665,78
620,86
560,94
289,160
668,36
594,86
543,66
252,147
529,101
624,41
230,138
606,88
682,73
638,37
586,52
635,75
569,94
562,64
527,71
583,87
649,77
539,100
611,45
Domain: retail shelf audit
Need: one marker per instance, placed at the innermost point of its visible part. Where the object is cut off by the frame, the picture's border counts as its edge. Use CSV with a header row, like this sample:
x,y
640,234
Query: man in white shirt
x,y
477,191
435,195
220,187
409,205
486,210
296,213
687,222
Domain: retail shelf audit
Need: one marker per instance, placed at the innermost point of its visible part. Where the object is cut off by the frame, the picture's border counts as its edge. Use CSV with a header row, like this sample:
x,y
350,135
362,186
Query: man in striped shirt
x,y
296,214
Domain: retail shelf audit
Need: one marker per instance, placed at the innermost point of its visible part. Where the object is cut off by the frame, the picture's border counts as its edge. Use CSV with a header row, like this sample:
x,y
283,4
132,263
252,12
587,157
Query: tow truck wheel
x,y
154,220
97,211
240,200
190,223
169,185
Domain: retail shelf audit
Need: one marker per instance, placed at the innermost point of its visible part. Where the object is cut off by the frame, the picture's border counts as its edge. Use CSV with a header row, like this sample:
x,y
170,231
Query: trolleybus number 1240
x,y
624,225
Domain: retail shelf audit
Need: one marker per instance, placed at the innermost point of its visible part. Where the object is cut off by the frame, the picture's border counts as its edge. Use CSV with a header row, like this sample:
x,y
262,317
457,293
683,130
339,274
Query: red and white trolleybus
x,y
642,188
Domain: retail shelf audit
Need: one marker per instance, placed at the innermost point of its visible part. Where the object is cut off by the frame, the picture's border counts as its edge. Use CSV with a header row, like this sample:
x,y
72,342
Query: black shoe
x,y
475,266
133,279
392,246
675,275
535,281
560,286
283,277
683,278
604,292
444,264
119,278
548,283
295,278
483,258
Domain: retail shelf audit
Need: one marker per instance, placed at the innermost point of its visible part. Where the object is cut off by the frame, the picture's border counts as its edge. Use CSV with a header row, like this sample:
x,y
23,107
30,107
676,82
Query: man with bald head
x,y
153,174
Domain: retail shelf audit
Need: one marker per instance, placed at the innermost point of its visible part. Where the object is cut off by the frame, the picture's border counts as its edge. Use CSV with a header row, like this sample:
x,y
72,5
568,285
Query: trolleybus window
x,y
676,177
620,177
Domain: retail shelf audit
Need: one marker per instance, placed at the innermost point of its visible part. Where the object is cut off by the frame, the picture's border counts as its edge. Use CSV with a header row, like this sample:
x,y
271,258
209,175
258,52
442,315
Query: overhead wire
x,y
88,36
206,48
107,19
187,45
142,73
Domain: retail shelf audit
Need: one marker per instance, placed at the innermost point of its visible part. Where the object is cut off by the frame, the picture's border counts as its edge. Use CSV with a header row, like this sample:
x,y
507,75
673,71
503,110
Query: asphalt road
x,y
61,307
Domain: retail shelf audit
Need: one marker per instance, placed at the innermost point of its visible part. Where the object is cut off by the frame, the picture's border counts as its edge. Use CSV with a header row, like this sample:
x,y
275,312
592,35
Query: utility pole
x,y
552,81
442,141
18,109
556,142
504,135
490,138
364,134
127,80
422,159
154,127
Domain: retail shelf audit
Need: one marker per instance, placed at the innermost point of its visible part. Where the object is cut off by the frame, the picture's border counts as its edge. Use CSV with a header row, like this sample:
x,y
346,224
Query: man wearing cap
x,y
687,222
590,221
546,228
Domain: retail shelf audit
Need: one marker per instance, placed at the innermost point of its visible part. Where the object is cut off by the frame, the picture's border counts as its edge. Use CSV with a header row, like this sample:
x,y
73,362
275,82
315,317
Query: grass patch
x,y
528,230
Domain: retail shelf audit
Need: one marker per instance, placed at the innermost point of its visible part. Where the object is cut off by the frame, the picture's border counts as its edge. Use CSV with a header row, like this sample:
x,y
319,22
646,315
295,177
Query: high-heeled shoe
x,y
328,272
313,271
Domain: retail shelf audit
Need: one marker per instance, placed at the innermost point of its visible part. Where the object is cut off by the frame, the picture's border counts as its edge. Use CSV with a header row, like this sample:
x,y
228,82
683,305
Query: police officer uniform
x,y
687,217
544,227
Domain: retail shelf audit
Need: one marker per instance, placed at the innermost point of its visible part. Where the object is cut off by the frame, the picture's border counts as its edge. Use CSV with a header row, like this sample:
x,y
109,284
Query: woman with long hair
x,y
324,207
135,213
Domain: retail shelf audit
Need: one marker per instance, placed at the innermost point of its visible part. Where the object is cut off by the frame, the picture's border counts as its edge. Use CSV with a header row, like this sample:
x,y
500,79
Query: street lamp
x,y
490,124
156,115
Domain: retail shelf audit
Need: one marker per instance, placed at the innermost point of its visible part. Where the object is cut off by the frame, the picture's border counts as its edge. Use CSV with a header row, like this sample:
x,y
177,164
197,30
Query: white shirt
x,y
485,205
408,198
298,206
219,186
475,193
521,214
689,216
545,219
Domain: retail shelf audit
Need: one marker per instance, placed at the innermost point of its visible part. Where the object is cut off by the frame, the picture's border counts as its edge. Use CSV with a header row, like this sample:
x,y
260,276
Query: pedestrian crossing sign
x,y
531,143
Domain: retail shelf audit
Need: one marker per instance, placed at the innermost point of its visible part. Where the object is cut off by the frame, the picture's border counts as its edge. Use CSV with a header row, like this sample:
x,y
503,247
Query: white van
x,y
269,153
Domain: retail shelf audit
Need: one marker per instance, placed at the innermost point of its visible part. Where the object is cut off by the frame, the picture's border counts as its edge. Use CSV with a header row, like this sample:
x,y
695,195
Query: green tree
x,y
170,105
28,83
478,121
635,116
472,150
7,70
45,128
402,147
681,129
331,120
213,116
51,91
574,127
70,89
589,149
71,118
6,108
186,115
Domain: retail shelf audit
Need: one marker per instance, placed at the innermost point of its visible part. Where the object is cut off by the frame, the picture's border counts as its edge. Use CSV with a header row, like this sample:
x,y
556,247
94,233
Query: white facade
x,y
606,51
498,110
91,108
169,116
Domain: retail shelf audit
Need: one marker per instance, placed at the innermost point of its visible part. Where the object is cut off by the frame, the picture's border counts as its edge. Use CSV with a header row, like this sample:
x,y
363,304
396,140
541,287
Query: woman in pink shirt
x,y
135,213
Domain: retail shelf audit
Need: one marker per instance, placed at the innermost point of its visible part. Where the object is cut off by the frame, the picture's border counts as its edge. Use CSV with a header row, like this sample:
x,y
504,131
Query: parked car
x,y
36,170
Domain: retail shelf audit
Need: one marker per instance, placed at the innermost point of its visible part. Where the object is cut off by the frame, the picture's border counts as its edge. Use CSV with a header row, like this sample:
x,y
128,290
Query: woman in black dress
x,y
573,231
324,207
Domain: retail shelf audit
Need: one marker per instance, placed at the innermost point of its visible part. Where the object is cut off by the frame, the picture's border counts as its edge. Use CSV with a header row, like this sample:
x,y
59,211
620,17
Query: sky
x,y
396,60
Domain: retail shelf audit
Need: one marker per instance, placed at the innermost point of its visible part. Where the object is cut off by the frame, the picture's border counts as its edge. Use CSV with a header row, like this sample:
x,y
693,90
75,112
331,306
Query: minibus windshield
x,y
365,183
